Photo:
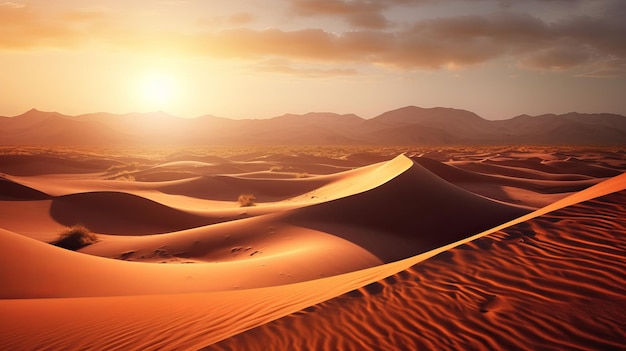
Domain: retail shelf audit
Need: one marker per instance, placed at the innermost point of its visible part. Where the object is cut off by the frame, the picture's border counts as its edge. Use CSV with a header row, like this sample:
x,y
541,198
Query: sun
x,y
157,90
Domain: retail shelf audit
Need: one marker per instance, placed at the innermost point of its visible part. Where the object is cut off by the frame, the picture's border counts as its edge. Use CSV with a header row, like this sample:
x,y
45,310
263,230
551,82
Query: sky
x,y
259,59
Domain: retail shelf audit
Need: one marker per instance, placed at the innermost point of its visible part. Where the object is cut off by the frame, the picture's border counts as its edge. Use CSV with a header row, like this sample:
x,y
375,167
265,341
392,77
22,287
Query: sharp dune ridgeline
x,y
373,248
405,126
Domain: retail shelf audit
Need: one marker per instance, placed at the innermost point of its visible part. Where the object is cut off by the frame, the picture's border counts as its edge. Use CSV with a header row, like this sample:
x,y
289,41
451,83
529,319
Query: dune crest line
x,y
208,271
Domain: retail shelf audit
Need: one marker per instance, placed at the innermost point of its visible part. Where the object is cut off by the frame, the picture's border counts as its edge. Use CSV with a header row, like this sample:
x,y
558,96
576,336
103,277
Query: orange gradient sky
x,y
255,59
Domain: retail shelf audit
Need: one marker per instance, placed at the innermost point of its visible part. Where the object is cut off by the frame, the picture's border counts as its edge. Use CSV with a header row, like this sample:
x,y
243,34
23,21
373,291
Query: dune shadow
x,y
13,191
414,212
122,214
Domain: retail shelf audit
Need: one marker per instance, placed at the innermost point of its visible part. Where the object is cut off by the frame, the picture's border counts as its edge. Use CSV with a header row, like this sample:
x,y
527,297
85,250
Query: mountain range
x,y
404,126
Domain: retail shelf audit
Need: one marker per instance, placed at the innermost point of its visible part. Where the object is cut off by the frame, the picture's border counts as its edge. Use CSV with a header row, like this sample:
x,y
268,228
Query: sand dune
x,y
509,186
346,257
121,213
28,165
10,190
552,282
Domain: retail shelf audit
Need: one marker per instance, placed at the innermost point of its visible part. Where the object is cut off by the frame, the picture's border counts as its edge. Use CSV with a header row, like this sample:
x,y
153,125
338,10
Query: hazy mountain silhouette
x,y
404,126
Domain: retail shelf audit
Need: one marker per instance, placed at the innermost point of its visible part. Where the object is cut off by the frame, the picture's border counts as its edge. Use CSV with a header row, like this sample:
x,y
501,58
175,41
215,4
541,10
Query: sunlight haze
x,y
248,59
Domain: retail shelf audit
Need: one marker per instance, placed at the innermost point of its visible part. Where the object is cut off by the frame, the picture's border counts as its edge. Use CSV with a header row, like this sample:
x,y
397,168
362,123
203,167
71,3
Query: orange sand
x,y
456,249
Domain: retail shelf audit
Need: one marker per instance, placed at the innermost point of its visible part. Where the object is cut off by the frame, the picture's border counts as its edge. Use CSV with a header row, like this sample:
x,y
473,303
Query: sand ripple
x,y
556,282
438,249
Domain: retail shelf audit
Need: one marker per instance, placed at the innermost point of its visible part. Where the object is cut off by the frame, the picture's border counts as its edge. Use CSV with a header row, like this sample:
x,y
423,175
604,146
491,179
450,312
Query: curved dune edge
x,y
136,208
324,239
555,282
399,230
10,190
192,321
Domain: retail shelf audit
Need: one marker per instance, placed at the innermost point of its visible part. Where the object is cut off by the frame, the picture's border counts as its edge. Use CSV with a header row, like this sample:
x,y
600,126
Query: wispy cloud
x,y
14,5
557,58
240,18
310,71
359,13
437,43
576,44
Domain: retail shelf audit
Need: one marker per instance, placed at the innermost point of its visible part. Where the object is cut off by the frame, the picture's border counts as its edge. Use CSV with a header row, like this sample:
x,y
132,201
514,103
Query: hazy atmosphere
x,y
313,175
248,59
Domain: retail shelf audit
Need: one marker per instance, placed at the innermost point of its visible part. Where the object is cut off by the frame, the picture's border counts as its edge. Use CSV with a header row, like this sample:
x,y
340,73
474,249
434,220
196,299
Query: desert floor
x,y
314,248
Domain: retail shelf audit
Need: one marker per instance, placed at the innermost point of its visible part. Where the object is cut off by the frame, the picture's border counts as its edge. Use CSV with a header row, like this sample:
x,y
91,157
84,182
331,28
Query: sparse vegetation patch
x,y
246,200
75,237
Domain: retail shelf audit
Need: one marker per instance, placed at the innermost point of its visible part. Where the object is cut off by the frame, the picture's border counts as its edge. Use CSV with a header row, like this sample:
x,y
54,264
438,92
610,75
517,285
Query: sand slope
x,y
179,265
555,282
298,244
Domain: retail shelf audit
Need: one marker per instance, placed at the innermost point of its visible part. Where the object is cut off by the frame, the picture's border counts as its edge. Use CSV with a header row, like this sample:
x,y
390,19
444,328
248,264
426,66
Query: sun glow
x,y
158,90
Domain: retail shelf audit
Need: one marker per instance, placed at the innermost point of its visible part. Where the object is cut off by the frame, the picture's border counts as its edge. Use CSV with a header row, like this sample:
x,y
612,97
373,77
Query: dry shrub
x,y
75,237
246,200
126,178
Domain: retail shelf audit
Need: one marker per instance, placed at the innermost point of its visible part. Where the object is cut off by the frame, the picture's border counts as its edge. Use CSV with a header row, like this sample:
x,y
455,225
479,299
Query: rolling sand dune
x,y
555,282
557,166
524,251
531,192
121,213
37,164
10,190
517,172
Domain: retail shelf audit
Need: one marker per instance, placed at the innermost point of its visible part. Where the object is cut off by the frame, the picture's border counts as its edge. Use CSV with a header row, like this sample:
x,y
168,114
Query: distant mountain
x,y
570,128
405,126
50,128
436,126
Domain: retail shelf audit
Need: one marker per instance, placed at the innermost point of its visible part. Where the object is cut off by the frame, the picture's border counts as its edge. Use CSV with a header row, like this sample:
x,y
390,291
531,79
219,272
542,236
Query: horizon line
x,y
163,112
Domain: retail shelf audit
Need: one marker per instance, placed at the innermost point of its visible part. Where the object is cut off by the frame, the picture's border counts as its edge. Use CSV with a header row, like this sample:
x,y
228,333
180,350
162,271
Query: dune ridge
x,y
295,298
353,237
303,236
10,190
546,283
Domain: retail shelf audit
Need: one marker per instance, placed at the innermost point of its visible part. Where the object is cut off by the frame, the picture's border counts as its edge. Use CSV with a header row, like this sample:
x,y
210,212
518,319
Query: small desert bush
x,y
246,200
126,178
75,237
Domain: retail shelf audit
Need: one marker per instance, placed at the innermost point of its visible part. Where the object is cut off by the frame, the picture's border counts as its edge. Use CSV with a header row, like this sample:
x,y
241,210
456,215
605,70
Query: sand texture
x,y
335,249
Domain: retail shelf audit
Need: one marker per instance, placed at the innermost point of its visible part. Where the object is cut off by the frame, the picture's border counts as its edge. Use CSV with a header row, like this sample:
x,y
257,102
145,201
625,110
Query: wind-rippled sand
x,y
428,249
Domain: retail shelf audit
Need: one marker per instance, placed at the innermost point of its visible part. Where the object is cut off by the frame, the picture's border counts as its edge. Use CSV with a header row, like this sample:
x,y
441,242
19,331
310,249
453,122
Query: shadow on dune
x,y
31,165
121,213
414,212
461,176
13,191
560,283
228,188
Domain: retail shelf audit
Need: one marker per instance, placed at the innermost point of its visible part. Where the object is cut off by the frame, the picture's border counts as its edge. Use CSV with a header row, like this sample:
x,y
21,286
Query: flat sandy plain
x,y
344,248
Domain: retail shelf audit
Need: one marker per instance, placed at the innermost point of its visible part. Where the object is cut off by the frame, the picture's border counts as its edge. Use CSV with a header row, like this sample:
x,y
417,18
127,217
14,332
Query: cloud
x,y
358,13
610,67
288,68
576,44
10,4
308,44
368,14
24,28
240,18
436,43
557,58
